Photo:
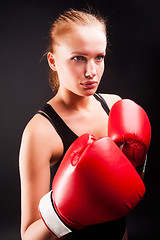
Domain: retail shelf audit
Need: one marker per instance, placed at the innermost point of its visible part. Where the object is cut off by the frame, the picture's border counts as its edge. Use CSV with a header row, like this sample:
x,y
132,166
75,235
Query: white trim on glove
x,y
50,217
145,163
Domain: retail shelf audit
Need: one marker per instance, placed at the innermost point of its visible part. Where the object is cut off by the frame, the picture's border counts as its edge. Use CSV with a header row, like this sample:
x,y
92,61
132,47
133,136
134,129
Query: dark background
x,y
132,71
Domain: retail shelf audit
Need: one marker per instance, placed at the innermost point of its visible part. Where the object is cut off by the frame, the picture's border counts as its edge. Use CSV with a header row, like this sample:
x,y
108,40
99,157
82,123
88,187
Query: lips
x,y
89,84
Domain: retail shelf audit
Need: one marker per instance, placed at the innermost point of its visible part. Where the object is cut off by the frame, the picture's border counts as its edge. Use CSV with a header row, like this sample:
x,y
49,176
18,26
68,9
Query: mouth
x,y
89,84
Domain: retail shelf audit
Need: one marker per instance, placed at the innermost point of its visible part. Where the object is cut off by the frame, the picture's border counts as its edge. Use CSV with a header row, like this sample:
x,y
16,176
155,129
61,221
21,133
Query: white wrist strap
x,y
50,217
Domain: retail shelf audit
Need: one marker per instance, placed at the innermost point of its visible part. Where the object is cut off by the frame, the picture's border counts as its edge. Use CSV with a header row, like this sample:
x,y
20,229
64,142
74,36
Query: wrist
x,y
50,217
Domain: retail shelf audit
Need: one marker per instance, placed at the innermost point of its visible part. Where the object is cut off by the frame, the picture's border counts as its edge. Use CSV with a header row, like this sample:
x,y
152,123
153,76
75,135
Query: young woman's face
x,y
79,59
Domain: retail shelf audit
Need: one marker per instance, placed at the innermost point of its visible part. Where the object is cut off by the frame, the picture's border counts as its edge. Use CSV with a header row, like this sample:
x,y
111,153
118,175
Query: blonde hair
x,y
63,25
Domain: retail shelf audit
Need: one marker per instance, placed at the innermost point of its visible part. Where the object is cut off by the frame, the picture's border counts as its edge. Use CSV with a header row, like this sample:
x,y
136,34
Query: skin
x,y
79,61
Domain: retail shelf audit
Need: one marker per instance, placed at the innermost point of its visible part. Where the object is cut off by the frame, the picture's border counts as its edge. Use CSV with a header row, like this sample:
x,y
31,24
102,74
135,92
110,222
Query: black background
x,y
132,71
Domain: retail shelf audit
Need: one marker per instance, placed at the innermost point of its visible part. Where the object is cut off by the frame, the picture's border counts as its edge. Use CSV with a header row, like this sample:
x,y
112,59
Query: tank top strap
x,y
103,102
66,134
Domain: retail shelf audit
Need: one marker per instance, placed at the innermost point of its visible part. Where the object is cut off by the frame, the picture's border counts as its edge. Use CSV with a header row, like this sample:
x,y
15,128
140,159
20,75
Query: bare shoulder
x,y
40,135
38,126
37,129
111,99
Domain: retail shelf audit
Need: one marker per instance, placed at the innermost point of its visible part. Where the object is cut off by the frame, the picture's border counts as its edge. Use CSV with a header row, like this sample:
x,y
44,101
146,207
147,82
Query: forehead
x,y
84,39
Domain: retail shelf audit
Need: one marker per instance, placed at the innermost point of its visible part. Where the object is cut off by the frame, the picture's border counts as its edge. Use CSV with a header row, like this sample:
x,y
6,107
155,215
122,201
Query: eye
x,y
100,58
79,58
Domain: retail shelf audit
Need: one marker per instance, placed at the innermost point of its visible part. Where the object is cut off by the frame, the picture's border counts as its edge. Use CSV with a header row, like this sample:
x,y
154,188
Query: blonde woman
x,y
78,43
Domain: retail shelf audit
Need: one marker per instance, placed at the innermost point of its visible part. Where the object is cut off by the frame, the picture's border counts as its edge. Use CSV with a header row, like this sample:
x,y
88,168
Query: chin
x,y
84,92
90,92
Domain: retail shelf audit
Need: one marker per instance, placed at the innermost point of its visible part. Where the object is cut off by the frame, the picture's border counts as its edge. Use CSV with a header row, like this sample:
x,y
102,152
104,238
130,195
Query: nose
x,y
90,71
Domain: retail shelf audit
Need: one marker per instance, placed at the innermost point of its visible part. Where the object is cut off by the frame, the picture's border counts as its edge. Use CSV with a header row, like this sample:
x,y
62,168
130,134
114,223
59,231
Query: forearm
x,y
125,237
38,231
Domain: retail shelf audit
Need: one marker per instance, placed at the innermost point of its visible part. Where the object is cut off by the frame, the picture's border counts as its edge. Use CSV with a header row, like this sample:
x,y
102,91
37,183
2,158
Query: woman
x,y
78,44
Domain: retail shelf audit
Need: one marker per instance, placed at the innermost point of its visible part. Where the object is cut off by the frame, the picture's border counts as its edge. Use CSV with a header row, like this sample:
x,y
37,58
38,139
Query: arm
x,y
35,155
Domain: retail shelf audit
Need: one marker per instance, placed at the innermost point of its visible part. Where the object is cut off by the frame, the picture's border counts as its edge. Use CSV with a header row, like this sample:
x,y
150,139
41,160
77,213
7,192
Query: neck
x,y
72,100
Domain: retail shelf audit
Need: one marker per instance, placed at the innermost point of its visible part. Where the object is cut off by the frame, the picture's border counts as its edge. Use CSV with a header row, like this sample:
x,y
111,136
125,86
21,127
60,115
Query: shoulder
x,y
34,136
39,137
37,128
110,99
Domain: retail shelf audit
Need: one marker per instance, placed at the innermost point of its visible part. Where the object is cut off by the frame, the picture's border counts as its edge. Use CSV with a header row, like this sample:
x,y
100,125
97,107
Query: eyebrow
x,y
80,53
85,54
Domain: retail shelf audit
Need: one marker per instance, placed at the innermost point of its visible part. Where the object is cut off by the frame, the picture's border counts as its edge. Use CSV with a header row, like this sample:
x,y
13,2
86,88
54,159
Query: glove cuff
x,y
50,217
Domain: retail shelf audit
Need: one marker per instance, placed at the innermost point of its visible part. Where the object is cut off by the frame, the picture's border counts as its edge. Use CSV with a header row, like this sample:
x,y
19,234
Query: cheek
x,y
100,70
63,70
75,70
69,74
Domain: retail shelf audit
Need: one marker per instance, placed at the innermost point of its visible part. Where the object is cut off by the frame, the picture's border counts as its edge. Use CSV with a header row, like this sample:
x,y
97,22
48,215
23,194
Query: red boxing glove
x,y
95,183
130,129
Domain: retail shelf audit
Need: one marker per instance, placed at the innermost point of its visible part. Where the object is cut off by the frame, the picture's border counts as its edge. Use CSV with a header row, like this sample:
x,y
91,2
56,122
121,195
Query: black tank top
x,y
110,230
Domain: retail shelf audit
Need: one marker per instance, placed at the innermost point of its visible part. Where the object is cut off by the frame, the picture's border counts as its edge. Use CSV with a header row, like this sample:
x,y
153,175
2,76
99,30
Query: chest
x,y
94,122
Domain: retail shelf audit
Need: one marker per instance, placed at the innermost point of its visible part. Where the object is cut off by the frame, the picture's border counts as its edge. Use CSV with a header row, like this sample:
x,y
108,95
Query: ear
x,y
51,61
